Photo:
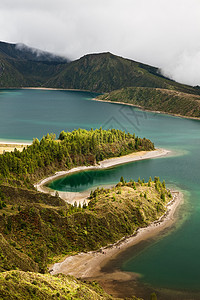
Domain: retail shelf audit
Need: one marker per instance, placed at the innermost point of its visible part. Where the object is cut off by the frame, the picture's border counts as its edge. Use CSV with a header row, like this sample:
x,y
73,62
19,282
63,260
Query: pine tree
x,y
122,180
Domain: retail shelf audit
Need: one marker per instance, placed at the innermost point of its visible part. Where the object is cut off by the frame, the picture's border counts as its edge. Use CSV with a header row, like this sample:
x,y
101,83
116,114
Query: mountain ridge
x,y
21,65
105,72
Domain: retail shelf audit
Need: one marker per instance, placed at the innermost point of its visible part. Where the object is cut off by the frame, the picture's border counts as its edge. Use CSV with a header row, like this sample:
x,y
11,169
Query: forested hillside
x,y
105,72
24,66
163,100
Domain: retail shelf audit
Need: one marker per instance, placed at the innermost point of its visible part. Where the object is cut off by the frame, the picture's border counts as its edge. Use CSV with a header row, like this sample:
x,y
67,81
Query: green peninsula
x,y
37,229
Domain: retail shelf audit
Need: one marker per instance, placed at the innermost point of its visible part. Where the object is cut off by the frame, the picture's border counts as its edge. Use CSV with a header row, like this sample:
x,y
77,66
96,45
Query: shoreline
x,y
92,265
108,101
147,110
9,143
81,197
44,88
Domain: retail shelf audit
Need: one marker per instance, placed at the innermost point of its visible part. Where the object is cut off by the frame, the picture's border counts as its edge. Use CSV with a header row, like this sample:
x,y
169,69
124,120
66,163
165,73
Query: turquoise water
x,y
170,262
27,114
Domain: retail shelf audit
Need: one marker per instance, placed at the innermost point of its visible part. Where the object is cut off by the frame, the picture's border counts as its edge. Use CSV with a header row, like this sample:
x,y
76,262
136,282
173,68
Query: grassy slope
x,y
43,230
18,285
19,227
11,258
157,99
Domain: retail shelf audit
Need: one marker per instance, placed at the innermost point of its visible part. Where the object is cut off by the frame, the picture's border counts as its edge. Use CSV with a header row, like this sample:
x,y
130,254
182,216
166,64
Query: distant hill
x,y
106,72
156,99
21,65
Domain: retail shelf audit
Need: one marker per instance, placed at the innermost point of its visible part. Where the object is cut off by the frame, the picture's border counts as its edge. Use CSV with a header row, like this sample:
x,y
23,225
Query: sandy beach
x,y
91,265
81,197
6,146
52,89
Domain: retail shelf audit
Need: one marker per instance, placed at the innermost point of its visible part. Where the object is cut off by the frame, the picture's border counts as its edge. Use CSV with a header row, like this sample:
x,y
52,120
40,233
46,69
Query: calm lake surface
x,y
171,262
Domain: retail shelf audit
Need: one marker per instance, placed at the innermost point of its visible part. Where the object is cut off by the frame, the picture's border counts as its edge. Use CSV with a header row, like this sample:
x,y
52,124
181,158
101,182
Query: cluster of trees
x,y
79,147
159,186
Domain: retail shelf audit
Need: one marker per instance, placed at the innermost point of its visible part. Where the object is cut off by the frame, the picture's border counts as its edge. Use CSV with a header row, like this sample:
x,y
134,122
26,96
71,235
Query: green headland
x,y
37,229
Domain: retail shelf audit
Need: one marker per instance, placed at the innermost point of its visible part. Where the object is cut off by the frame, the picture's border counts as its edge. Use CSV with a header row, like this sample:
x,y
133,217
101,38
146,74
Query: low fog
x,y
163,33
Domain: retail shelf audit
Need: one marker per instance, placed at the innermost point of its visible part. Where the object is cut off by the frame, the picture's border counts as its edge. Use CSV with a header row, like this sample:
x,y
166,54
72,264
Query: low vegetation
x,y
20,285
155,99
35,233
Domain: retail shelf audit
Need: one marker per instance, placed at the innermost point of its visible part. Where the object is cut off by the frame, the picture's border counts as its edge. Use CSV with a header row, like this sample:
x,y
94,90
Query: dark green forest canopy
x,y
79,147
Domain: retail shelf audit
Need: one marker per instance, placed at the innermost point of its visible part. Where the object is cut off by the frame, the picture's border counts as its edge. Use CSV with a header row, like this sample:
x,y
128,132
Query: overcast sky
x,y
163,33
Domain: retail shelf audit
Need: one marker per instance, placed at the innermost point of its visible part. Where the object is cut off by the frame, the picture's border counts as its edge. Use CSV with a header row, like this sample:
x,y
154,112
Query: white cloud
x,y
164,33
186,69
